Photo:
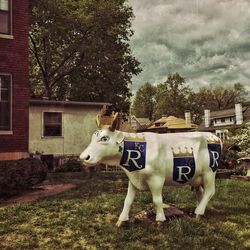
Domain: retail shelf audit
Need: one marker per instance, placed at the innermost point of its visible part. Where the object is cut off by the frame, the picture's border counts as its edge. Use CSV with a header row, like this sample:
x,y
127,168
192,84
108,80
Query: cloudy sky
x,y
206,41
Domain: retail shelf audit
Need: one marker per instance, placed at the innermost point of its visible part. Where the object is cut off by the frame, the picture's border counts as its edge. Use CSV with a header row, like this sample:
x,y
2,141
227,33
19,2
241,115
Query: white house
x,y
221,121
61,127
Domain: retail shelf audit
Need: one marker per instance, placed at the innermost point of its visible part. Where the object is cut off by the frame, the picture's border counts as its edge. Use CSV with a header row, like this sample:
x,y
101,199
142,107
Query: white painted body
x,y
159,158
159,165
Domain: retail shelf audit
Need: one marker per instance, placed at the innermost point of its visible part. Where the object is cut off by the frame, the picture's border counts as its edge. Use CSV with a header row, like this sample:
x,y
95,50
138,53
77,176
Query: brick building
x,y
14,85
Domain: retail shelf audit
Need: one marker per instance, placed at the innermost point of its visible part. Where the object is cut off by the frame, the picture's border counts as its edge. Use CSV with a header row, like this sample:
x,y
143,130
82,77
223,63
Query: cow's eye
x,y
105,138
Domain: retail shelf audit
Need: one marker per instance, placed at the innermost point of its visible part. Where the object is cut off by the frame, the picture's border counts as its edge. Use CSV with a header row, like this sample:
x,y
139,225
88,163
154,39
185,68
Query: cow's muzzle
x,y
86,160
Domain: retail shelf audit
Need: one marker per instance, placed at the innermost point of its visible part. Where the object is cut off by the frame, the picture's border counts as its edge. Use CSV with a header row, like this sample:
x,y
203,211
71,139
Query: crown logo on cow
x,y
213,140
186,152
135,137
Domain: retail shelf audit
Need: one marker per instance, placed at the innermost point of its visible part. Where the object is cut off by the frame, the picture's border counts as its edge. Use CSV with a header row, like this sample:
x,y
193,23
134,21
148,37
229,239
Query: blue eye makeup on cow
x,y
105,138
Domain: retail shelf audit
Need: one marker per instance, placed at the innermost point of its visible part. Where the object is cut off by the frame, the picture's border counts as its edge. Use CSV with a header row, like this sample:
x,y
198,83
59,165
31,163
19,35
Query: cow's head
x,y
105,145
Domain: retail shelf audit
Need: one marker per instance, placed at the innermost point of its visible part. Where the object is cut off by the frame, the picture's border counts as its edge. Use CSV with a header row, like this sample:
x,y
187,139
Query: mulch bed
x,y
37,193
171,212
239,177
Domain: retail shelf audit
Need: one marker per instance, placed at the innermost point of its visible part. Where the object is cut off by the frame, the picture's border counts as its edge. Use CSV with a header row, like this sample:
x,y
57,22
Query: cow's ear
x,y
120,137
98,122
114,122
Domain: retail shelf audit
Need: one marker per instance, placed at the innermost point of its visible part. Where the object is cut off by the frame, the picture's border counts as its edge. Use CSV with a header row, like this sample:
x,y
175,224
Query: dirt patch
x,y
241,178
37,193
170,211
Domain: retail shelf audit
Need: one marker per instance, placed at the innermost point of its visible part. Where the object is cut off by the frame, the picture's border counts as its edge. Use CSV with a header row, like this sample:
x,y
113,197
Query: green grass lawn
x,y
85,217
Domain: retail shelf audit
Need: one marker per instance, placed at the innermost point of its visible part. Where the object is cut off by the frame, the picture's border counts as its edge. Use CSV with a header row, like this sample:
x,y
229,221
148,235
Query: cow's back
x,y
182,158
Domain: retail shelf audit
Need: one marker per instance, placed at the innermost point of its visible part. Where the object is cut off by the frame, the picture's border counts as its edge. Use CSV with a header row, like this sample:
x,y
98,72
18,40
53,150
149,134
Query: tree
x,y
172,96
144,102
220,97
216,98
80,50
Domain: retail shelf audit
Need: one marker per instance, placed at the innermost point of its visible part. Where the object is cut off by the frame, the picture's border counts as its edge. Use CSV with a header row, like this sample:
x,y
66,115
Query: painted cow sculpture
x,y
151,160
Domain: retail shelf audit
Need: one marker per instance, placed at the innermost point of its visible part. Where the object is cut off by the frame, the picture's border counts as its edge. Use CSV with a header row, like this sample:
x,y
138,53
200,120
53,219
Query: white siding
x,y
78,127
224,121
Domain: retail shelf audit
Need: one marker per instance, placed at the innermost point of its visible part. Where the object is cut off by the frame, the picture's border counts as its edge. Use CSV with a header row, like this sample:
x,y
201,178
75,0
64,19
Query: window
x,y
5,17
223,134
52,124
223,120
5,102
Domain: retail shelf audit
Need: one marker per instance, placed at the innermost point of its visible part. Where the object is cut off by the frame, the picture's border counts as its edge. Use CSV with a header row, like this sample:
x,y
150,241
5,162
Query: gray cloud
x,y
206,41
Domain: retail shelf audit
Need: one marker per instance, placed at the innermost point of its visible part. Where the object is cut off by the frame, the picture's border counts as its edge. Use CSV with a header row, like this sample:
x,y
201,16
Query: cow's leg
x,y
209,190
124,216
156,185
198,193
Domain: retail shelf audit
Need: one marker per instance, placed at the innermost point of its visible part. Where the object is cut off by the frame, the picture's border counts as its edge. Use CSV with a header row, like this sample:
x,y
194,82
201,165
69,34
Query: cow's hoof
x,y
121,223
159,223
164,205
198,217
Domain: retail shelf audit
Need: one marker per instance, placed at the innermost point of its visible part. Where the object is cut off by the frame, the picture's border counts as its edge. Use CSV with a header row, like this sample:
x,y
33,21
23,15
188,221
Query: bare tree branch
x,y
36,54
67,57
44,72
68,72
45,60
62,63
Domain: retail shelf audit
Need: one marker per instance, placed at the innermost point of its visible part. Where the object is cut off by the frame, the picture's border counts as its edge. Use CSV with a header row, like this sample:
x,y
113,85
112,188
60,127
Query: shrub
x,y
20,175
72,165
242,140
229,156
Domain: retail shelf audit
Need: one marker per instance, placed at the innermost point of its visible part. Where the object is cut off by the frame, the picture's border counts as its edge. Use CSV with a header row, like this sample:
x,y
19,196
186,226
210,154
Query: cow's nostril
x,y
87,158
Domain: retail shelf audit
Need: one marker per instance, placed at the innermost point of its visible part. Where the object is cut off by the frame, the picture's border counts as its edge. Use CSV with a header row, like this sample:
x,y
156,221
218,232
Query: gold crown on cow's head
x,y
103,120
186,152
213,140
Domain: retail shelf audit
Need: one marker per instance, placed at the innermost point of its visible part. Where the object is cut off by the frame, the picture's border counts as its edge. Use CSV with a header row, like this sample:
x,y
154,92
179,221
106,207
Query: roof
x,y
163,119
225,113
66,103
213,128
172,122
141,121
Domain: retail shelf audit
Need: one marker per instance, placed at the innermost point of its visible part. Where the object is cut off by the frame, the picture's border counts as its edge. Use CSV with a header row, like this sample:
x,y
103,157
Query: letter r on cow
x,y
183,174
216,157
133,159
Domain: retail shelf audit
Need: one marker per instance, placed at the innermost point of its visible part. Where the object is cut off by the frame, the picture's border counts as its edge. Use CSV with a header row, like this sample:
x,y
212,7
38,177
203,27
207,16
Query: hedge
x,y
71,165
20,175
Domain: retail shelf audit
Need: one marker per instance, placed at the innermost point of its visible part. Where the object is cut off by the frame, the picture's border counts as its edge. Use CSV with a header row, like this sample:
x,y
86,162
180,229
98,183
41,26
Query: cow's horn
x,y
114,122
98,123
103,110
